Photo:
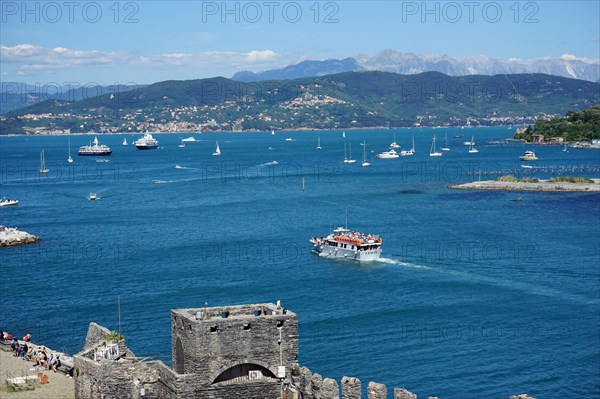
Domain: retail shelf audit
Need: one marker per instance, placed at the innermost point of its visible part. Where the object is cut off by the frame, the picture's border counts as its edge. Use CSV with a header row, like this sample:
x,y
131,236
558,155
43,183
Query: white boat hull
x,y
327,251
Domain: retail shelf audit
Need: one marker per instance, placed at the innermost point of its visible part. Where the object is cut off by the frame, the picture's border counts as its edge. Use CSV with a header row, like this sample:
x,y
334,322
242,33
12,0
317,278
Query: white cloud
x,y
30,58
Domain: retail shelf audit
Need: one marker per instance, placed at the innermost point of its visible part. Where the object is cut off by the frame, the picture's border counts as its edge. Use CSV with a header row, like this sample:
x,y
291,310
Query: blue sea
x,y
476,296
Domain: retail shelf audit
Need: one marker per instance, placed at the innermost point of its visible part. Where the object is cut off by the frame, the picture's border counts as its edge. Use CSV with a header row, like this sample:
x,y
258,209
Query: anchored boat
x,y
146,143
528,156
94,149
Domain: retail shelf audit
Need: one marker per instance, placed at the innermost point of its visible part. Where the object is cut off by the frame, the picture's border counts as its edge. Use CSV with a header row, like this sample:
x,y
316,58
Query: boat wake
x,y
403,264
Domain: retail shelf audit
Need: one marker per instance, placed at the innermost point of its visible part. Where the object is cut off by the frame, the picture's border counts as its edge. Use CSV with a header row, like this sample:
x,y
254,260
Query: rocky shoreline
x,y
11,236
542,186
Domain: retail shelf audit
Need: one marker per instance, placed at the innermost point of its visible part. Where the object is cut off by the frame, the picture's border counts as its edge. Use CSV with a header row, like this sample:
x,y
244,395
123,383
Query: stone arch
x,y
179,357
240,369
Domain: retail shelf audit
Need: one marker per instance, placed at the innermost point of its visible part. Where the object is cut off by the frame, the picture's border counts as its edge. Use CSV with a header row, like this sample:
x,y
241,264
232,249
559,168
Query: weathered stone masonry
x,y
236,352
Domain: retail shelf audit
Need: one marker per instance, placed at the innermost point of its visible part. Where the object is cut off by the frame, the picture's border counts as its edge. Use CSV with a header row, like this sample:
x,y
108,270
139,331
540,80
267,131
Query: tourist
x,y
56,364
15,347
30,353
27,337
41,358
23,350
51,364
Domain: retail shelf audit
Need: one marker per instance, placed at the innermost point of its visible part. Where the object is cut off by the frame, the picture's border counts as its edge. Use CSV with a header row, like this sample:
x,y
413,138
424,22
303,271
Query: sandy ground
x,y
60,386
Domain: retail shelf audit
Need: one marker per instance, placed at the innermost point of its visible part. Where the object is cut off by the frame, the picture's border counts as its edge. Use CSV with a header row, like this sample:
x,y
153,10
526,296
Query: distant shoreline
x,y
541,186
301,129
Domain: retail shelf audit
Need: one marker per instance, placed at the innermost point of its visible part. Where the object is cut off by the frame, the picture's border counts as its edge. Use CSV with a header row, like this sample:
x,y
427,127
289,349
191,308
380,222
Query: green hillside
x,y
575,126
346,100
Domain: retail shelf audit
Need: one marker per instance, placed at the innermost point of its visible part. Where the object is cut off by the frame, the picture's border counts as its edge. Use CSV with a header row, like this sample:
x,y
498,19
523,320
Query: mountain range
x,y
408,64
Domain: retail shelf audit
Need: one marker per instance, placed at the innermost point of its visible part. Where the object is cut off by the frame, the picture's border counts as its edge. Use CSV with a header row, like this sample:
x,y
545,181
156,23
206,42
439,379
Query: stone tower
x,y
227,344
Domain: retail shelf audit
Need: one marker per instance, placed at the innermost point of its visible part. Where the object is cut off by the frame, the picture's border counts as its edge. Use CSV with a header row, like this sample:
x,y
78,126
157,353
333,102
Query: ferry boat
x,y
190,139
146,143
94,149
528,156
6,202
346,244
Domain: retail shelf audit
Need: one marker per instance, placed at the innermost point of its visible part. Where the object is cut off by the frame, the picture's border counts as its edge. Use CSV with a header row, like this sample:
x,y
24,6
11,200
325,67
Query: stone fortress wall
x,y
243,351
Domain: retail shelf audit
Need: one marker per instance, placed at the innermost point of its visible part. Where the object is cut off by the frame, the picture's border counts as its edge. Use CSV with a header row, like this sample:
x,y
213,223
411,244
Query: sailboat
x,y
446,148
217,150
181,144
125,141
565,148
344,134
432,151
319,143
69,159
394,145
460,135
43,168
345,155
411,152
350,160
472,148
365,163
272,132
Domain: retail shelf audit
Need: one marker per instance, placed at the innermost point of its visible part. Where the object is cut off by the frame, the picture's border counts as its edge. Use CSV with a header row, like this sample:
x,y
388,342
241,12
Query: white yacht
x,y
445,148
472,148
43,168
7,202
391,154
147,142
411,152
365,163
70,158
528,156
394,145
92,197
94,149
348,159
217,151
432,151
346,244
190,139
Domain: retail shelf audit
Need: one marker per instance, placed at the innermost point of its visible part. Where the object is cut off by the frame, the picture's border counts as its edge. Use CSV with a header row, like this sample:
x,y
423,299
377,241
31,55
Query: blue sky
x,y
147,41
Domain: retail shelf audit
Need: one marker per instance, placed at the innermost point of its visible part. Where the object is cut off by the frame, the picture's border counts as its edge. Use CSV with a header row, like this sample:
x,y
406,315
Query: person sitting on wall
x,y
57,364
23,350
30,353
15,347
27,337
51,364
40,360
